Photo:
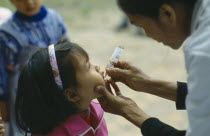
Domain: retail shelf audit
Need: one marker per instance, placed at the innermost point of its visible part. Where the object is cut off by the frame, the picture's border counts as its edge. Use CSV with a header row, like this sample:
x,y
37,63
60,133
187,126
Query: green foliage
x,y
6,3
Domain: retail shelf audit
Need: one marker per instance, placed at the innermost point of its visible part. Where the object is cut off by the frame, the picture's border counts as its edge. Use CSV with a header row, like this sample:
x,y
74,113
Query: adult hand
x,y
139,81
120,105
129,75
2,130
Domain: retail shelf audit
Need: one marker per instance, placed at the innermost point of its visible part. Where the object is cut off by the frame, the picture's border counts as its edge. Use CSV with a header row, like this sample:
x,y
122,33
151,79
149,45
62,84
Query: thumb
x,y
103,91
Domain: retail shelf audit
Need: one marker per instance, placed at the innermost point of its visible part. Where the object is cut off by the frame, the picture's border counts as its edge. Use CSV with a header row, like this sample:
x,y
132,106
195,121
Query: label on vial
x,y
116,55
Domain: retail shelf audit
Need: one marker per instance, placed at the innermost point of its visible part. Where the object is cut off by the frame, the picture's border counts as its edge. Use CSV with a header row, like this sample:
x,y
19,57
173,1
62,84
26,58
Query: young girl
x,y
55,91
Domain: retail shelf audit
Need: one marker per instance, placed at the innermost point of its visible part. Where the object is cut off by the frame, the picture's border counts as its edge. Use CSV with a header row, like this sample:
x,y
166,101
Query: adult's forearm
x,y
135,115
182,92
164,89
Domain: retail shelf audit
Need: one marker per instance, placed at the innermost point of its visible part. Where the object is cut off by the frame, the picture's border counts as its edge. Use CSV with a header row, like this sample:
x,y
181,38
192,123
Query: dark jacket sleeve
x,y
154,127
181,96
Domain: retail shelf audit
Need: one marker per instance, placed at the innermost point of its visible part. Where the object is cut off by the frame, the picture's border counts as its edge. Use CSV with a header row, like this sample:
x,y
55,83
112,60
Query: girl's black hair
x,y
40,104
149,8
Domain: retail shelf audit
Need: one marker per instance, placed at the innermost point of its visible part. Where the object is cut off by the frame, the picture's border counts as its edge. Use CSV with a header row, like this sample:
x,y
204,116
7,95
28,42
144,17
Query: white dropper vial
x,y
115,57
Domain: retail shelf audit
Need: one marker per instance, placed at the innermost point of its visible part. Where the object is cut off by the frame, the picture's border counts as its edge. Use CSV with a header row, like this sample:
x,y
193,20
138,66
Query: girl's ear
x,y
71,95
167,15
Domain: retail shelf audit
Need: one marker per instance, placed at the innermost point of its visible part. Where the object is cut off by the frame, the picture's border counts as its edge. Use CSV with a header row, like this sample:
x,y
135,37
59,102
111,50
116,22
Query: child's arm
x,y
10,49
2,130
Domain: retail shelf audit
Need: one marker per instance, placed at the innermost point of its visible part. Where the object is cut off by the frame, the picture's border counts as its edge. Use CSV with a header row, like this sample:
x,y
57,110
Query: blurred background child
x,y
31,26
55,93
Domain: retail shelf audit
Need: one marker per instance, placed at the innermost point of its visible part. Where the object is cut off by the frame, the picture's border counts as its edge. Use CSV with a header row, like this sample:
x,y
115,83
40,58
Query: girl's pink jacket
x,y
75,125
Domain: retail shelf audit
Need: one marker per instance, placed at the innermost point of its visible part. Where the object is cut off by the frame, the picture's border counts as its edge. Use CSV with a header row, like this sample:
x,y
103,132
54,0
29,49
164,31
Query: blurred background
x,y
97,26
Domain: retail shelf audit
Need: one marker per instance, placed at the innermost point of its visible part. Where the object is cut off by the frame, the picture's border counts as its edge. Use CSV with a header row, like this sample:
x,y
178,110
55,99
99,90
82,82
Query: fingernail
x,y
98,90
98,87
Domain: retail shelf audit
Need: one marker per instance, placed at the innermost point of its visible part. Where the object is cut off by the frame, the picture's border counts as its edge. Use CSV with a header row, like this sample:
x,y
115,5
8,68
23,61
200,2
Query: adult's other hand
x,y
120,105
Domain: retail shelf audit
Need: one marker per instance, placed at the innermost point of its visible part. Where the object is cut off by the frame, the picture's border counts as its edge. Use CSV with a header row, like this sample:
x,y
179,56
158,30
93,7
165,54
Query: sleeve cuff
x,y
154,127
151,124
181,96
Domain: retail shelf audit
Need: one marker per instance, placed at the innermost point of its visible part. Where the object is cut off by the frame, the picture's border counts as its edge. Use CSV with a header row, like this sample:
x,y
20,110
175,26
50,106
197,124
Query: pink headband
x,y
54,66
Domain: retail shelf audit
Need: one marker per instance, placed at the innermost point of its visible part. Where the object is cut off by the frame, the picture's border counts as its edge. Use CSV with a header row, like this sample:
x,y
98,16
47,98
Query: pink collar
x,y
76,125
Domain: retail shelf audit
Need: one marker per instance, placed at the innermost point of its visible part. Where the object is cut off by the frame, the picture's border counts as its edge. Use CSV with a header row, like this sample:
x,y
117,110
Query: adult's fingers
x,y
109,87
106,96
103,91
126,66
122,65
117,74
116,89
